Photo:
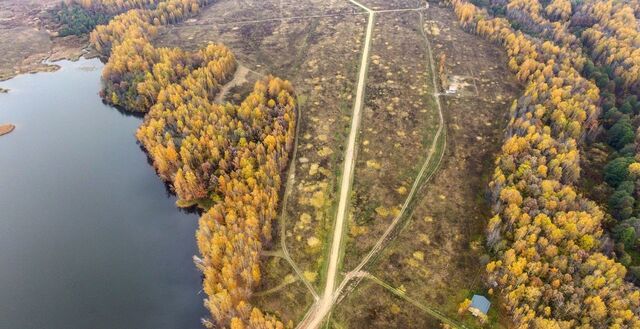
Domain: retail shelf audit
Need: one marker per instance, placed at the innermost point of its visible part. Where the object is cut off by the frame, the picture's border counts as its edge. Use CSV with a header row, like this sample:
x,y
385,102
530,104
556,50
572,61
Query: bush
x,y
621,133
617,171
625,259
621,204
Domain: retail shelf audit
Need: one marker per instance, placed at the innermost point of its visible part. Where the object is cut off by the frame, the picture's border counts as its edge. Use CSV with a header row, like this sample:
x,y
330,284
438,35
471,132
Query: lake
x,y
89,237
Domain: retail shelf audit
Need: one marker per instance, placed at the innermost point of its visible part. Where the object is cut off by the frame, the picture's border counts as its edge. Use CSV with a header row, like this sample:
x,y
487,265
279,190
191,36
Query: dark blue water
x,y
89,237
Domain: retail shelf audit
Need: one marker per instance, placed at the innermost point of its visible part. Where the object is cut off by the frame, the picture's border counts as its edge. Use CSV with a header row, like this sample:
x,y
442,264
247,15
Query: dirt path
x,y
291,176
239,78
402,294
349,164
289,279
318,312
435,156
273,19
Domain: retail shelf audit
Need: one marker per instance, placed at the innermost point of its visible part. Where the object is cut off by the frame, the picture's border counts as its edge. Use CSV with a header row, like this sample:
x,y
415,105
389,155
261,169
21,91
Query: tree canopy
x,y
544,235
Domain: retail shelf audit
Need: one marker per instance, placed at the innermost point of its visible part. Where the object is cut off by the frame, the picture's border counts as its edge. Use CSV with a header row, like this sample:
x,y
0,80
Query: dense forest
x,y
551,263
226,158
73,19
80,17
613,45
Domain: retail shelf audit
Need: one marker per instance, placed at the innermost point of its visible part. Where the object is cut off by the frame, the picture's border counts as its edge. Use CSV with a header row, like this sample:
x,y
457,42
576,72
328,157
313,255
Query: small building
x,y
479,306
453,88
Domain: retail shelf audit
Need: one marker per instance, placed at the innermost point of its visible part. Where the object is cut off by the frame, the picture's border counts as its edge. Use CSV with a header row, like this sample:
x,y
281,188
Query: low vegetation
x,y
436,257
25,45
400,116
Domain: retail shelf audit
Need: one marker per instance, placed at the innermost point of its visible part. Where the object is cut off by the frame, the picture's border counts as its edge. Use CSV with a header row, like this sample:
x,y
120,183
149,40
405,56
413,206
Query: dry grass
x,y
24,44
437,257
393,4
399,124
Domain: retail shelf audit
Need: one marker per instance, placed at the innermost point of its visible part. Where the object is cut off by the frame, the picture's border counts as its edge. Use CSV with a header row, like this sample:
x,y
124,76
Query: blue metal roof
x,y
481,303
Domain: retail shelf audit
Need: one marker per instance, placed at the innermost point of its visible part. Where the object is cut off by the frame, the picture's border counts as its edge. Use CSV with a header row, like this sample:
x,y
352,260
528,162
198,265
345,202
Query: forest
x,y
73,19
551,261
226,158
80,17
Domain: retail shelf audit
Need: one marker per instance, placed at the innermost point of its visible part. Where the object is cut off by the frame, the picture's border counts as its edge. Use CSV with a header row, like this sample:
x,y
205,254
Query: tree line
x,y
144,22
226,158
545,236
80,17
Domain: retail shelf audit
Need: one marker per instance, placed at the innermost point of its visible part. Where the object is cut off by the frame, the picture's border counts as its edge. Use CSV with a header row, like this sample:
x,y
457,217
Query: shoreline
x,y
67,48
48,64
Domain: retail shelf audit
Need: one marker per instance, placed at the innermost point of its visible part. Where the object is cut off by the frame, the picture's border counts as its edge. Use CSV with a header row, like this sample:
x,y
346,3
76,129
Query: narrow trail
x,y
289,279
401,294
265,20
292,18
239,78
291,175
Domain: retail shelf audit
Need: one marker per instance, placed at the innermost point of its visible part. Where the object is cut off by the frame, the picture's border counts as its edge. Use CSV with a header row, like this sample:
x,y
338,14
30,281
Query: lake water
x,y
89,237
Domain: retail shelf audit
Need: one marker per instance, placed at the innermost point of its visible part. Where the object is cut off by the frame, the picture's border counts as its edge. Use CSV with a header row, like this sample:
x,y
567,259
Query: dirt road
x,y
435,153
321,309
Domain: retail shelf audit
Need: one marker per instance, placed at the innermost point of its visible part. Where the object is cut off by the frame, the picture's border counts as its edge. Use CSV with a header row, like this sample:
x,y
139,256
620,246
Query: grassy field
x,y
399,124
437,259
